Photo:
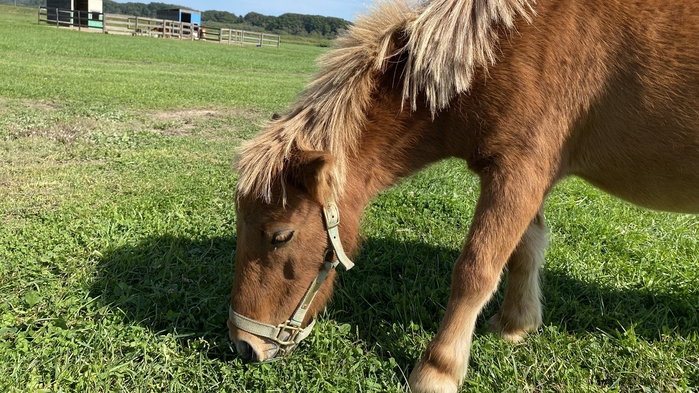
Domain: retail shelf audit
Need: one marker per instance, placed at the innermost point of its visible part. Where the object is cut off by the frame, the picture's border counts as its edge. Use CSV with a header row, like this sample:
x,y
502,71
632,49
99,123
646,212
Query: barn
x,y
84,13
180,15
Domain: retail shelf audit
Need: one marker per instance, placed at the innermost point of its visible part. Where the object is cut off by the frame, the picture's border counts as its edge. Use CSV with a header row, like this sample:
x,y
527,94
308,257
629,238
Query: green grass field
x,y
117,241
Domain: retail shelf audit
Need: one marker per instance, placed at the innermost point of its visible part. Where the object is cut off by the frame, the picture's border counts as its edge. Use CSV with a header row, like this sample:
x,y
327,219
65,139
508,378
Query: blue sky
x,y
345,9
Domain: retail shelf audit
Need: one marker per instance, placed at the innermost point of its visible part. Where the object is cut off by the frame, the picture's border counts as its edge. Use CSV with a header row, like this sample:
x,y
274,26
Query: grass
x,y
142,73
118,240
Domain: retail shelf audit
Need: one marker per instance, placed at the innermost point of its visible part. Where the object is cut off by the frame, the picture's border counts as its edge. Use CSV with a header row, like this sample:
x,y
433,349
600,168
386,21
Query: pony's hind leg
x,y
520,311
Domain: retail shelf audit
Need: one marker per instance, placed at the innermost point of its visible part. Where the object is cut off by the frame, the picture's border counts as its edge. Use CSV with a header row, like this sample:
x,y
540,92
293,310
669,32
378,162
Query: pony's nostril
x,y
246,351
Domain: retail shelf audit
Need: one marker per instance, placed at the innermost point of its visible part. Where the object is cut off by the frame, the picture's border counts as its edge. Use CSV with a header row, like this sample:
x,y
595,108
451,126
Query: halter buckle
x,y
293,329
331,215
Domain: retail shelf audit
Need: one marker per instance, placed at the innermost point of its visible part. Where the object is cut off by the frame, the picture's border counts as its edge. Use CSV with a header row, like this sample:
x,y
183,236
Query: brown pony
x,y
526,93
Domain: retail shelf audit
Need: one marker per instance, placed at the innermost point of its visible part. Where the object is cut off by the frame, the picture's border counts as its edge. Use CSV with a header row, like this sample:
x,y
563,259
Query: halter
x,y
290,333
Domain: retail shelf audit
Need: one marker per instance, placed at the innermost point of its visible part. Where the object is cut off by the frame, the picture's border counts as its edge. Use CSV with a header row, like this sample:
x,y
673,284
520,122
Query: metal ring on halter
x,y
292,326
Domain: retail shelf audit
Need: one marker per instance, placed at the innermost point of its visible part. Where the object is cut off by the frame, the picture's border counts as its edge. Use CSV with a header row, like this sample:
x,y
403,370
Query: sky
x,y
345,9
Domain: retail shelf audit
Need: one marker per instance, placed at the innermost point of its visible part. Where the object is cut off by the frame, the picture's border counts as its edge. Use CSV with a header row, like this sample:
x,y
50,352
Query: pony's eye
x,y
282,237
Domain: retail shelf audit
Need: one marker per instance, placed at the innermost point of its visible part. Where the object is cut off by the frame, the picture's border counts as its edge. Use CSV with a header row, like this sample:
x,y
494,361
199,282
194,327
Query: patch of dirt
x,y
61,131
185,114
66,130
42,105
212,124
180,122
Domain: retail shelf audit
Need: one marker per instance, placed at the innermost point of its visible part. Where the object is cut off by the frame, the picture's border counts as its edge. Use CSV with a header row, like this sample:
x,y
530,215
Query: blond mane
x,y
447,40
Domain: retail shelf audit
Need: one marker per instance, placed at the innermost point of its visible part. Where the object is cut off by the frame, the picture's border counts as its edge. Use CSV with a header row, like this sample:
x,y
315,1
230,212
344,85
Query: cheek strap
x,y
332,222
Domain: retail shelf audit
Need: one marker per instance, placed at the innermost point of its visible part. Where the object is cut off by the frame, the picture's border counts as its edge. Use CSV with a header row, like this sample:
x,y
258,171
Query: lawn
x,y
117,231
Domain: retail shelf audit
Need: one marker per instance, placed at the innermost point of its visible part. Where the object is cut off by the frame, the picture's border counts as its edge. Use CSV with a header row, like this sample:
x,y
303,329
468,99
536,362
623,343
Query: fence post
x,y
279,41
136,29
80,20
57,17
262,39
38,16
104,23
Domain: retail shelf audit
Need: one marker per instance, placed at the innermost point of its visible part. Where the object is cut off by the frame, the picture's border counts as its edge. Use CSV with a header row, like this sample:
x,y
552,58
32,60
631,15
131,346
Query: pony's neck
x,y
403,146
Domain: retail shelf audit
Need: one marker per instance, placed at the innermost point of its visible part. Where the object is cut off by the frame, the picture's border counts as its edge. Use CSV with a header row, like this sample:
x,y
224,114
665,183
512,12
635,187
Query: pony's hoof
x,y
428,379
508,332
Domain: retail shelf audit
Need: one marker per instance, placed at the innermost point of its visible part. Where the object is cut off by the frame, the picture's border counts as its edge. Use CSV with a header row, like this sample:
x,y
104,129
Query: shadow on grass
x,y
172,285
396,284
178,285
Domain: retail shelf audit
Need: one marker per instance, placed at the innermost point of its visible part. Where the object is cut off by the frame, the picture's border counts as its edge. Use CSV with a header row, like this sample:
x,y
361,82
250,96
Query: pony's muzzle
x,y
251,347
252,355
246,351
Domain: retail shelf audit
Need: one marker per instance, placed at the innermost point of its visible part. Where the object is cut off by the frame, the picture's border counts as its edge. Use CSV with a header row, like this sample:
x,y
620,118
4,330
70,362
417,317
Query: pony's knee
x,y
537,232
525,261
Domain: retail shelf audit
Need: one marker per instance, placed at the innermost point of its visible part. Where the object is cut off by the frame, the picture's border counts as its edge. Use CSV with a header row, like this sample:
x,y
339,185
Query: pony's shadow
x,y
171,285
397,286
178,285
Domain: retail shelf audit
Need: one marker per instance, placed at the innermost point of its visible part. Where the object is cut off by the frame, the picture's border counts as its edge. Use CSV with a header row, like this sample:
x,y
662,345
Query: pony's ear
x,y
392,48
312,172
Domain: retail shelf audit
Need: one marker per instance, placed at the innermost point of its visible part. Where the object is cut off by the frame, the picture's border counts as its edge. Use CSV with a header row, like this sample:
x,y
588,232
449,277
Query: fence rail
x,y
141,26
239,37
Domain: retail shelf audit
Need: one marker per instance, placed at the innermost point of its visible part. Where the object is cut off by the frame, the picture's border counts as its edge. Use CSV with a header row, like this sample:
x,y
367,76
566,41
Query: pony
x,y
527,93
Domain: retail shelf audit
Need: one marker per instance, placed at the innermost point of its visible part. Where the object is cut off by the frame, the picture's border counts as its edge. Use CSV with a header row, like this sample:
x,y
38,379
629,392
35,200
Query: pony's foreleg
x,y
507,204
520,311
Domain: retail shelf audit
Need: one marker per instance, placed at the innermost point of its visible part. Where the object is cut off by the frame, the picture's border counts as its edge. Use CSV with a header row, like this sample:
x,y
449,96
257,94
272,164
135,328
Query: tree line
x,y
294,24
29,3
136,9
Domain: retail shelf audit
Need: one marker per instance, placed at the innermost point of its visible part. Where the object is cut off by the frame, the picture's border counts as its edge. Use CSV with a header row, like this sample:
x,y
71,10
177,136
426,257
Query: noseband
x,y
288,334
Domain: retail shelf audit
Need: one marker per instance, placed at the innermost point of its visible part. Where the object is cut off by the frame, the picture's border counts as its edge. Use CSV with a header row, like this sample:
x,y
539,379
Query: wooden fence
x,y
239,37
140,26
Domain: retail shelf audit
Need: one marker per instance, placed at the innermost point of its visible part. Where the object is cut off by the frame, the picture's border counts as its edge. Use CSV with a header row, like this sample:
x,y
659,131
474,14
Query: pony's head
x,y
285,258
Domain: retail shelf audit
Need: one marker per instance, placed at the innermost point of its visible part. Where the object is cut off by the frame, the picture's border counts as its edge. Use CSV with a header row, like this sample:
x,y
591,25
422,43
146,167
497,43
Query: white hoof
x,y
509,332
427,379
